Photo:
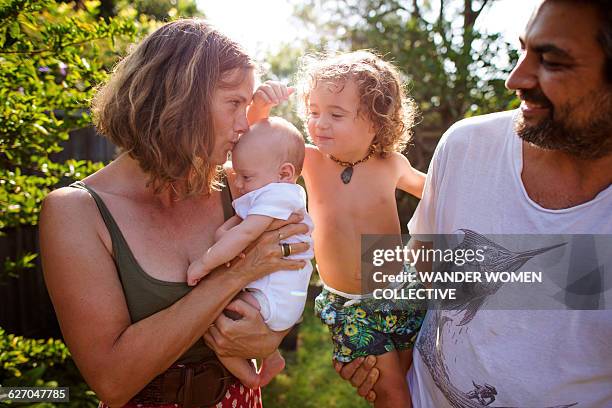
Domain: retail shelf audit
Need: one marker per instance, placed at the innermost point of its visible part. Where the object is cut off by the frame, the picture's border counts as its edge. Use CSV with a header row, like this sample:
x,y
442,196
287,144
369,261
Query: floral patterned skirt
x,y
237,396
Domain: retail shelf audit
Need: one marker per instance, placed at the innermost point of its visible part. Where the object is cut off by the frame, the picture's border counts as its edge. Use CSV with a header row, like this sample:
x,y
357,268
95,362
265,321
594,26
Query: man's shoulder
x,y
475,123
490,127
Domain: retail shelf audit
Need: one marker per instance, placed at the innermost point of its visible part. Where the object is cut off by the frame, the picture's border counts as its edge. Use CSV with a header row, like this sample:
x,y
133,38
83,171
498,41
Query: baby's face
x,y
334,124
254,168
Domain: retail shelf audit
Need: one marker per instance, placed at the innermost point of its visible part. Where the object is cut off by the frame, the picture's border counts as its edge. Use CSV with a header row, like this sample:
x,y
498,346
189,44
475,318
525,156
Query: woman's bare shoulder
x,y
70,202
68,213
78,202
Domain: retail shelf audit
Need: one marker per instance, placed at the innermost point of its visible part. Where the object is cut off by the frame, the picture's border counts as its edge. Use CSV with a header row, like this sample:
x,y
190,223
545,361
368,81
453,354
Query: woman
x,y
116,247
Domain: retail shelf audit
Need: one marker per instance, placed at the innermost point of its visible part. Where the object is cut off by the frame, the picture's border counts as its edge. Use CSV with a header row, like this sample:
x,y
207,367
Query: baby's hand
x,y
271,93
196,272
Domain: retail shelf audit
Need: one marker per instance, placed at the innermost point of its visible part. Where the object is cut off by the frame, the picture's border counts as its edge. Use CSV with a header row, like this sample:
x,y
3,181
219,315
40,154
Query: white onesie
x,y
281,294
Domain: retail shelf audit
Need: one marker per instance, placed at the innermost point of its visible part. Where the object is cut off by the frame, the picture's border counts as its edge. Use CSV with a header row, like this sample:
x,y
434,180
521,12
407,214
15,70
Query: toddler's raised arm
x,y
268,95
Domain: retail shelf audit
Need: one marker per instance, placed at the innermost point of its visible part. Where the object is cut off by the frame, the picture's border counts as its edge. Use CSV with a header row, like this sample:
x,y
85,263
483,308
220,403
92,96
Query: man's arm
x,y
362,375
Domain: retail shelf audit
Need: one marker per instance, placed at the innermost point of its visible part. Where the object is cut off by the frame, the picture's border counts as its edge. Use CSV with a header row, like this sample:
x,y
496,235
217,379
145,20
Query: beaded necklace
x,y
347,173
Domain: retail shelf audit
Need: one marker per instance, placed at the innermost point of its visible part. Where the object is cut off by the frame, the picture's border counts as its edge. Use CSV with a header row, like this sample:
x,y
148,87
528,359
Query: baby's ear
x,y
286,172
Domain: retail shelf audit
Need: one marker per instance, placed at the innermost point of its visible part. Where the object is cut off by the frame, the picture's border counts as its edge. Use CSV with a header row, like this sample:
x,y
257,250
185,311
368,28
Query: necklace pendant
x,y
346,175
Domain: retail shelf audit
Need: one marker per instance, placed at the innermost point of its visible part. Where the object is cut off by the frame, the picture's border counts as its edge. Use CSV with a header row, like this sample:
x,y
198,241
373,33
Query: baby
x,y
359,120
267,161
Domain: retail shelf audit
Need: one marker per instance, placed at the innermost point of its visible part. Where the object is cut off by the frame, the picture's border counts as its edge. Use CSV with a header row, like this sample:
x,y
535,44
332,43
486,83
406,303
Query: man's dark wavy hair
x,y
604,35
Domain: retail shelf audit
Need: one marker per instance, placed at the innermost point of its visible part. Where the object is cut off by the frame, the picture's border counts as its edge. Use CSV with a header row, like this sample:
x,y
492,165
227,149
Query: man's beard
x,y
561,130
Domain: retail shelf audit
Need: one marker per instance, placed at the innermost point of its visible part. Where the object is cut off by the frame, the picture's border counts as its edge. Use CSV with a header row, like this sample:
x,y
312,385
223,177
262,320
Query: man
x,y
543,169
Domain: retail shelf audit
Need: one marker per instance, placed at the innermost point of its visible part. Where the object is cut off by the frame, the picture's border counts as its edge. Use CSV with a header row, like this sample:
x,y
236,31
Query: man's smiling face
x,y
566,101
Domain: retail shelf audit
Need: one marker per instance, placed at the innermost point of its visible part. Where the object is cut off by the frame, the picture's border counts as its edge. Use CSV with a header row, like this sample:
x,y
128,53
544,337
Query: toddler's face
x,y
333,122
254,168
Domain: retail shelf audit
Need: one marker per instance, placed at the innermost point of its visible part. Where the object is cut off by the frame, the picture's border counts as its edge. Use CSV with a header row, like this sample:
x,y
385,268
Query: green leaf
x,y
41,129
14,29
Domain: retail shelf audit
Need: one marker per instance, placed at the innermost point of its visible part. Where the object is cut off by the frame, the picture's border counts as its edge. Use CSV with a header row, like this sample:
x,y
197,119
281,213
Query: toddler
x,y
266,161
359,120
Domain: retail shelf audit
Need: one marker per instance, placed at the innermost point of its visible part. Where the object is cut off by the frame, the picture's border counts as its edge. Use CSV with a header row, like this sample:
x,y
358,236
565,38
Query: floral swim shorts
x,y
368,326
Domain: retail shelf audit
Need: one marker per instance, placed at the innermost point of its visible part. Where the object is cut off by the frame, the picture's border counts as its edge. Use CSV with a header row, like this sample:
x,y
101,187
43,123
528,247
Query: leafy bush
x,y
42,363
51,57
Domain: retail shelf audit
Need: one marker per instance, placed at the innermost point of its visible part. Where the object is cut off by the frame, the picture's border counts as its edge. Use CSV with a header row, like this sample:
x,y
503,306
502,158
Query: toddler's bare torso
x,y
342,213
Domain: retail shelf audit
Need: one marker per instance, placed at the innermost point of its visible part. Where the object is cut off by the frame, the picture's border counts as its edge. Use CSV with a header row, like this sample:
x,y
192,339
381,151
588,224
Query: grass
x,y
309,380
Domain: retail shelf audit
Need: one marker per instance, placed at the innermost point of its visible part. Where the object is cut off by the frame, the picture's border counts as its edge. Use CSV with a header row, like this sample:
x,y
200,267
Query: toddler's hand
x,y
271,93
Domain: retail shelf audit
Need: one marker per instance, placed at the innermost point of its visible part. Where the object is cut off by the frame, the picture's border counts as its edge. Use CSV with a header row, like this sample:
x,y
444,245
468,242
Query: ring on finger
x,y
286,249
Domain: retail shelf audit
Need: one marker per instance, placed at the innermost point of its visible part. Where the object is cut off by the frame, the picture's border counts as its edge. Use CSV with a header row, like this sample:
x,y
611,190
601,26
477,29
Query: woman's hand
x,y
268,95
265,254
294,218
361,374
248,337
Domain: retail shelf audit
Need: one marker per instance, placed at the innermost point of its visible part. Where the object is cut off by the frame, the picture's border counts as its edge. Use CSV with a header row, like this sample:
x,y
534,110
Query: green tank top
x,y
146,295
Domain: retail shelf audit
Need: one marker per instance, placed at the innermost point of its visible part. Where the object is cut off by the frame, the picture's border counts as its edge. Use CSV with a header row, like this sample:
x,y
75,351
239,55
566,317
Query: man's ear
x,y
286,172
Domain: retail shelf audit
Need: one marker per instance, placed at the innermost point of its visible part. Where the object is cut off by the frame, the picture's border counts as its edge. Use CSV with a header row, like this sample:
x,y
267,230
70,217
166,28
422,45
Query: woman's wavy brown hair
x,y
157,103
383,100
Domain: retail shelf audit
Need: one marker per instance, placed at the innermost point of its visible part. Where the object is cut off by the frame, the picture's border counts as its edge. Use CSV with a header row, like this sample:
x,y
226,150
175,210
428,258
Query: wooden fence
x,y
25,308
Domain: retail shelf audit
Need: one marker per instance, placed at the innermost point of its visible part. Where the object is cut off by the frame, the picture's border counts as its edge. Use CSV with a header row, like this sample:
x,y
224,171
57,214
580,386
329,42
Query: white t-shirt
x,y
521,358
281,294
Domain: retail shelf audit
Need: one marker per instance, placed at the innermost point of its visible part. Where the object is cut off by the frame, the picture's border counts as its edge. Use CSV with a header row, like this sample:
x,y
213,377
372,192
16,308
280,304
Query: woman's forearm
x,y
150,346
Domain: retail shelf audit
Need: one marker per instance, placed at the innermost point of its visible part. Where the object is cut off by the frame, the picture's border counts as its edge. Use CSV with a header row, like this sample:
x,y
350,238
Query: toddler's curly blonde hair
x,y
382,99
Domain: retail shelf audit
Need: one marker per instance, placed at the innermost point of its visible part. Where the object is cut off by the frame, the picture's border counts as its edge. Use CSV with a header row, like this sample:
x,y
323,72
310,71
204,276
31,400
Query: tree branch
x,y
52,49
416,10
440,27
477,12
391,10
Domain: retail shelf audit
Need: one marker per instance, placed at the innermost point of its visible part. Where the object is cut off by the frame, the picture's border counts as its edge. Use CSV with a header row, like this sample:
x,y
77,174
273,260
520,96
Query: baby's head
x,y
272,151
356,94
